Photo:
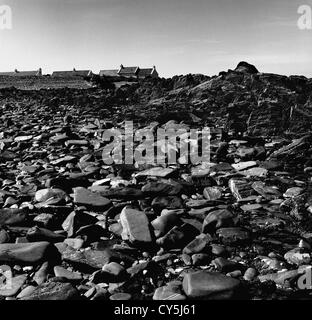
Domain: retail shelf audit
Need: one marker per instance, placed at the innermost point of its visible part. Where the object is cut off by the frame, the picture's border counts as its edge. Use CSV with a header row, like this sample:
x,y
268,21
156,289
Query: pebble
x,y
209,285
135,226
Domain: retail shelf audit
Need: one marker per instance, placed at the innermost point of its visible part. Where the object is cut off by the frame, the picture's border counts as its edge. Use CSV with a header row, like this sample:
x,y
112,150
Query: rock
x,y
47,194
198,245
156,172
162,188
63,161
37,234
197,204
86,260
164,223
233,235
218,250
178,237
172,291
64,273
297,256
23,138
121,193
225,265
240,188
279,277
74,243
26,253
42,274
245,67
26,292
250,274
4,236
122,296
12,285
255,172
170,202
251,207
266,192
201,259
217,219
209,285
245,153
111,272
90,199
212,193
13,216
54,291
293,192
135,226
244,165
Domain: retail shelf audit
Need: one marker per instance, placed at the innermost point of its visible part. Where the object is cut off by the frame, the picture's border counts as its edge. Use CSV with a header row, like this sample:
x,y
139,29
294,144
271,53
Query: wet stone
x,y
171,291
54,291
85,197
233,235
178,237
135,225
212,193
209,285
199,244
170,202
164,223
217,219
293,192
64,273
297,257
30,253
12,285
240,188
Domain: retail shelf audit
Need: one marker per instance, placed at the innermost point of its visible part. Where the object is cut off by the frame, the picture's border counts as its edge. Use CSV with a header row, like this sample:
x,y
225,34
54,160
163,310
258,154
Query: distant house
x,y
73,73
109,73
17,73
131,72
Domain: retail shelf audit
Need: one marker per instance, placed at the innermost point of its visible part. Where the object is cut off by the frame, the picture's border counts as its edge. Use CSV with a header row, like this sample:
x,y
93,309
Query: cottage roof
x,y
109,73
73,73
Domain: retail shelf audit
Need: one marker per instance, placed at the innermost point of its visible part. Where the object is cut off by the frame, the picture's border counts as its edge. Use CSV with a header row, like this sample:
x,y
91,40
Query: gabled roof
x,y
17,73
145,72
109,73
73,73
128,70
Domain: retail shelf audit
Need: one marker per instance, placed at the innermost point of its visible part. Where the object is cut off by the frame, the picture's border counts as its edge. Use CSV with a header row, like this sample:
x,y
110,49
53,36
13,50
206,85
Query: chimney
x,y
121,67
40,72
74,70
16,71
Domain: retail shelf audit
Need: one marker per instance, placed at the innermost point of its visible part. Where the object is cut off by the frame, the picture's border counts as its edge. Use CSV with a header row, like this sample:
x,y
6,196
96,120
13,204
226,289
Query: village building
x,y
72,73
131,72
17,73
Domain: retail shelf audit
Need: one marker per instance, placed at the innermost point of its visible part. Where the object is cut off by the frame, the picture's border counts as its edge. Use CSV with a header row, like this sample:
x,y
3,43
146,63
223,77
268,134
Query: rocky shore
x,y
236,227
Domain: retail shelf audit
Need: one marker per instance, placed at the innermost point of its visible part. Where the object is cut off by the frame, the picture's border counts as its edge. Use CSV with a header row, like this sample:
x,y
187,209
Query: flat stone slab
x,y
91,199
54,291
135,226
29,253
209,285
244,165
156,172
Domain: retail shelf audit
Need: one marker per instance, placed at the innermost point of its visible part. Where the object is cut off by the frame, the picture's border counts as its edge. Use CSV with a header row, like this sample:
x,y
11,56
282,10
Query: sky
x,y
177,36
